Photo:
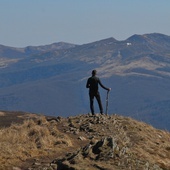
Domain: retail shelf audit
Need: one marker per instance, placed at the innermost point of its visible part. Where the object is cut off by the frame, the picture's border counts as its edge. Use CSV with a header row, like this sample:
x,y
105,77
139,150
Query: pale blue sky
x,y
41,22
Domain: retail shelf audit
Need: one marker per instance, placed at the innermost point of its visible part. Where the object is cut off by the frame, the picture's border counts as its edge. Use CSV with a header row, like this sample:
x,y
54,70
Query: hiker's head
x,y
94,72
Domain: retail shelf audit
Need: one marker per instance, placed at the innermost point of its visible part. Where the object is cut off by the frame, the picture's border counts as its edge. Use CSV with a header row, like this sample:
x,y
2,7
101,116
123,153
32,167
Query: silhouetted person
x,y
92,84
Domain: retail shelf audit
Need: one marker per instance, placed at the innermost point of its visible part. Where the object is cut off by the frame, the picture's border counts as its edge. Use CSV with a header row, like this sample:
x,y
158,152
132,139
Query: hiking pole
x,y
107,102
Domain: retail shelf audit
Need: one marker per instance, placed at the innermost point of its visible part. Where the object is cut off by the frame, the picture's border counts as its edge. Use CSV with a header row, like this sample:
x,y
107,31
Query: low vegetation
x,y
84,142
32,139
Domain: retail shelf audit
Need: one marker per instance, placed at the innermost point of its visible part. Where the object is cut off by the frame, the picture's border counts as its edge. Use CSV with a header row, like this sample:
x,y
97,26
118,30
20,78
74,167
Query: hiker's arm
x,y
108,89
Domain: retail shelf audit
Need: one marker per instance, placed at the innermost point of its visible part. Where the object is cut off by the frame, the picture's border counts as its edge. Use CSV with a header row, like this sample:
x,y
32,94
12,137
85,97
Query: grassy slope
x,y
36,138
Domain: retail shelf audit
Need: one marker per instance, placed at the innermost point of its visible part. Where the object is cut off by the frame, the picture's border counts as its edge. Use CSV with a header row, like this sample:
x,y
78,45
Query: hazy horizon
x,y
25,23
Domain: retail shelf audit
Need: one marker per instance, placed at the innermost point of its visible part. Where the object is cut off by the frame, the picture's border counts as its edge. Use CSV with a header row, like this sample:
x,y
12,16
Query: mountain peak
x,y
154,37
158,38
137,38
50,47
99,142
109,40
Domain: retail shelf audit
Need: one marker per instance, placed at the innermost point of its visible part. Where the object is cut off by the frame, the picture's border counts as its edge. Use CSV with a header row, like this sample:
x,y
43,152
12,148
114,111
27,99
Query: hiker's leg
x,y
99,102
92,103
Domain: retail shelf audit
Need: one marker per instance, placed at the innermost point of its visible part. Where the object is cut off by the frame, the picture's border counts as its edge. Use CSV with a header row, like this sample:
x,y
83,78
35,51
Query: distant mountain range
x,y
51,79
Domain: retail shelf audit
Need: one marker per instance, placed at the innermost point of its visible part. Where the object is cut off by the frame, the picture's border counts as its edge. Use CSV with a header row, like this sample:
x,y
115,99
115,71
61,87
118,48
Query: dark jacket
x,y
92,84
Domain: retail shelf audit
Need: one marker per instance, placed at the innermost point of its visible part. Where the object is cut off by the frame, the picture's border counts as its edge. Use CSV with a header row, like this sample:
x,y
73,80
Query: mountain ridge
x,y
138,73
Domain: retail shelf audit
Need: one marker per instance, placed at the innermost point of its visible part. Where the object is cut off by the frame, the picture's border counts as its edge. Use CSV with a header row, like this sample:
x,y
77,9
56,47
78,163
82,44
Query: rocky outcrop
x,y
84,142
104,154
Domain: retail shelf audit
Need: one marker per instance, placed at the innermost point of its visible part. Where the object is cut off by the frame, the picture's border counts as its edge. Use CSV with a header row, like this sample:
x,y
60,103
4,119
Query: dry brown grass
x,y
149,143
29,140
39,138
142,145
2,113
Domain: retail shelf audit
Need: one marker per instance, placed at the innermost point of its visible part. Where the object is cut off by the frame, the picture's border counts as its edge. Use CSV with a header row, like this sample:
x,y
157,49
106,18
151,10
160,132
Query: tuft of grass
x,y
33,138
